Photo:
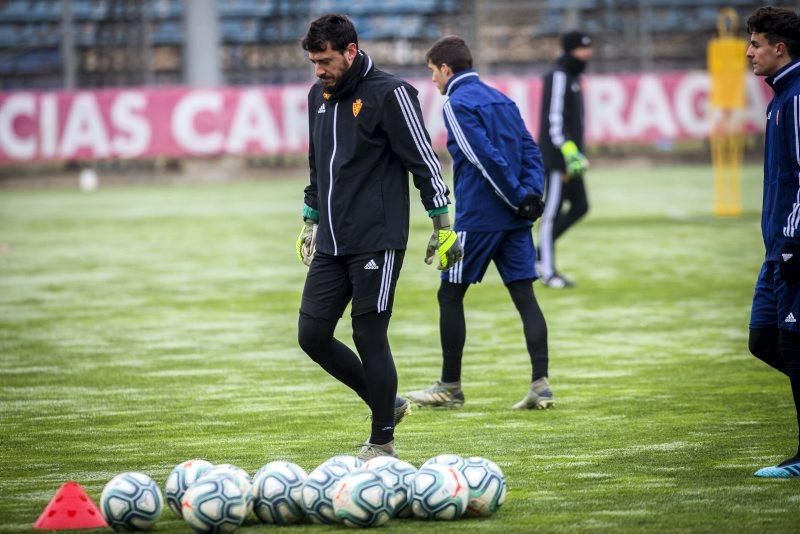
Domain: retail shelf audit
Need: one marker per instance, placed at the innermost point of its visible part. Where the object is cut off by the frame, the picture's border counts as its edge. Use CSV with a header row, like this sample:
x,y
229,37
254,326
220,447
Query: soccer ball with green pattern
x,y
399,475
487,486
131,501
364,499
439,492
317,492
182,476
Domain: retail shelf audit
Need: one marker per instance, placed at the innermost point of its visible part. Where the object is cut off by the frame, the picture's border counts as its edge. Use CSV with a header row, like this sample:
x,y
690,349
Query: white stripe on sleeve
x,y
556,115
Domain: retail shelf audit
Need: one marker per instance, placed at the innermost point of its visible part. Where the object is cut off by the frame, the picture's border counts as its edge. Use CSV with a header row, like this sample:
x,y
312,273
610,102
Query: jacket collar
x,y
571,64
461,77
784,76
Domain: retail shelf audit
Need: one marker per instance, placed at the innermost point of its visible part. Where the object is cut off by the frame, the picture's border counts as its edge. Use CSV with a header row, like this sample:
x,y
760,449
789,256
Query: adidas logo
x,y
371,265
787,257
321,108
790,318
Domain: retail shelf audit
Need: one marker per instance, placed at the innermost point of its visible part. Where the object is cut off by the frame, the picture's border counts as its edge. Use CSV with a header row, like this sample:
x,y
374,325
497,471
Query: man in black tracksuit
x,y
366,135
561,142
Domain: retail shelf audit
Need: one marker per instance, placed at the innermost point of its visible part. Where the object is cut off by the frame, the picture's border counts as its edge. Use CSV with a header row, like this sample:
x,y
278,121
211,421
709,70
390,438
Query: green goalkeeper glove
x,y
445,240
307,241
576,162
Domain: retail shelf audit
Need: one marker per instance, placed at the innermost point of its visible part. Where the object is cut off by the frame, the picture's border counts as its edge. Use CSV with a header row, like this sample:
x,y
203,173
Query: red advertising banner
x,y
179,122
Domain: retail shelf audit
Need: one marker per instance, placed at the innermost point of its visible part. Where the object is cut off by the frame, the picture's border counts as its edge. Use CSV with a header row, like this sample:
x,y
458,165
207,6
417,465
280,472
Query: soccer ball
x,y
487,486
453,460
242,479
183,476
317,492
439,492
214,504
364,499
350,462
399,475
276,493
131,501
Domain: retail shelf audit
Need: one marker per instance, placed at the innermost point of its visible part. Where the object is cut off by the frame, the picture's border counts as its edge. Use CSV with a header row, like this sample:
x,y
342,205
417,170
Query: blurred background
x,y
650,56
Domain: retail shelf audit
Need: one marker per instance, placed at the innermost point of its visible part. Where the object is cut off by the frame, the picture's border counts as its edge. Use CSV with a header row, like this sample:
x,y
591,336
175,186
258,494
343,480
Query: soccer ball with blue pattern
x,y
399,475
131,501
215,504
487,486
364,499
317,492
439,492
182,476
241,476
453,460
276,493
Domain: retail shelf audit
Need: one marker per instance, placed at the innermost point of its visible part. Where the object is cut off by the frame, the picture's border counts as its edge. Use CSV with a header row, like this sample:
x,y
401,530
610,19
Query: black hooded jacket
x,y
363,142
562,117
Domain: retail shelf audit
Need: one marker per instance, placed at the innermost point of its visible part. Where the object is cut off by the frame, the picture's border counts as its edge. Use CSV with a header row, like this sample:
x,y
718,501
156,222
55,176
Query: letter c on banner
x,y
14,146
184,129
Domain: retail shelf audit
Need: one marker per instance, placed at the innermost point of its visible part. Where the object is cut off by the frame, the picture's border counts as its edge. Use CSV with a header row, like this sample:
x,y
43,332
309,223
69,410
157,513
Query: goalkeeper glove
x,y
531,207
790,265
307,241
445,240
575,161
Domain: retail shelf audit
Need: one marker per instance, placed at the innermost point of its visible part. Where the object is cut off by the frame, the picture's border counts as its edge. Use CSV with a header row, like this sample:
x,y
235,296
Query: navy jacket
x,y
495,159
780,216
361,150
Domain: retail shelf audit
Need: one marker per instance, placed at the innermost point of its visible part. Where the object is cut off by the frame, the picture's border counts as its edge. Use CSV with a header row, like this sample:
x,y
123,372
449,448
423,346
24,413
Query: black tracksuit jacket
x,y
561,118
361,149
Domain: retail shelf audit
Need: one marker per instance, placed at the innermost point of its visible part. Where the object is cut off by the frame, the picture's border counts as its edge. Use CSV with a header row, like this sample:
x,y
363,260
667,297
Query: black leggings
x,y
453,329
373,377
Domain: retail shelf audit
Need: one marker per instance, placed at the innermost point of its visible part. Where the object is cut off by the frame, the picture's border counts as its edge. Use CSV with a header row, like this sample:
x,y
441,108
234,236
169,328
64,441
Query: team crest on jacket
x,y
357,107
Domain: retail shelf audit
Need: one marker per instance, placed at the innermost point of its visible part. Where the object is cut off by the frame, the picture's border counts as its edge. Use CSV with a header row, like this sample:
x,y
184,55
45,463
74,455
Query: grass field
x,y
141,326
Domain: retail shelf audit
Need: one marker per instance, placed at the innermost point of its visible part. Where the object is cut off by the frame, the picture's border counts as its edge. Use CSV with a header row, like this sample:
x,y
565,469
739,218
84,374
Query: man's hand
x,y
445,240
575,161
531,207
790,265
307,241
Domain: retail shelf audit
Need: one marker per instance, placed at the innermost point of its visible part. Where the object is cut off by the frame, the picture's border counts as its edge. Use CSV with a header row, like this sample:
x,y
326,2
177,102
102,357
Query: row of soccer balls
x,y
342,489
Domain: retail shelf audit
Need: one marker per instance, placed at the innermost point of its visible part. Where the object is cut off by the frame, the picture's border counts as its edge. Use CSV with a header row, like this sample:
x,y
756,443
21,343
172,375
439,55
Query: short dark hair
x,y
451,50
338,30
779,25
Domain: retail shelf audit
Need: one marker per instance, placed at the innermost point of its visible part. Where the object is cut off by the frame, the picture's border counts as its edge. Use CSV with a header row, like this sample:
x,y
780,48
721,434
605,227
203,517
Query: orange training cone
x,y
70,508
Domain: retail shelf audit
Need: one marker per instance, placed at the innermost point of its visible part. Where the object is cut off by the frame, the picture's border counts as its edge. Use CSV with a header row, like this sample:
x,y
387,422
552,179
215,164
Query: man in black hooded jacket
x,y
561,142
366,135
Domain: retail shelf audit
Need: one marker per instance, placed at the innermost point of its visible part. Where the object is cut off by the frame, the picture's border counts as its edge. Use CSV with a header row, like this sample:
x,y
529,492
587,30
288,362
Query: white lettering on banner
x,y
85,129
756,102
518,92
692,111
295,123
48,125
17,105
651,110
183,122
125,118
605,102
253,122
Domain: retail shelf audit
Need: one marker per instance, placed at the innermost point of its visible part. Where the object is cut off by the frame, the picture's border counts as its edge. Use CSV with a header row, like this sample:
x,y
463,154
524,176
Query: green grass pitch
x,y
141,326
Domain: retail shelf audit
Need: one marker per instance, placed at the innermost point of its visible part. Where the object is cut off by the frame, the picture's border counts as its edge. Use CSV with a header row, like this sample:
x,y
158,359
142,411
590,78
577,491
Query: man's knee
x,y
313,333
452,294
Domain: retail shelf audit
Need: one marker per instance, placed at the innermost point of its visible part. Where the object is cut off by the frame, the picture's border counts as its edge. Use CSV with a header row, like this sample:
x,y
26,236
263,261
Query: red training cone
x,y
70,508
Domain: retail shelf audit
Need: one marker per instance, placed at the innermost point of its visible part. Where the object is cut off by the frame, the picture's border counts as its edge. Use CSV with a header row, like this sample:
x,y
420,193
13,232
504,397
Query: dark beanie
x,y
575,39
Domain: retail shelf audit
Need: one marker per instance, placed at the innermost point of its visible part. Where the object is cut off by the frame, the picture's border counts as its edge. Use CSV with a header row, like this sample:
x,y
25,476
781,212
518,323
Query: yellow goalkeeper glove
x,y
307,241
575,161
445,241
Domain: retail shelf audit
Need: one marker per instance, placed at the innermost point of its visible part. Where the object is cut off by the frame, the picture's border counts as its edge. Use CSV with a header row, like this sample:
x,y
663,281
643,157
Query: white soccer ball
x,y
399,475
439,492
364,499
181,477
453,460
487,486
241,476
317,492
215,504
131,501
350,462
277,489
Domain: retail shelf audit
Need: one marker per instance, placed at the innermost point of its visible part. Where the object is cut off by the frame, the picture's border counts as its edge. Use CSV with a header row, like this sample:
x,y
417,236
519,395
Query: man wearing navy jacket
x,y
774,333
498,182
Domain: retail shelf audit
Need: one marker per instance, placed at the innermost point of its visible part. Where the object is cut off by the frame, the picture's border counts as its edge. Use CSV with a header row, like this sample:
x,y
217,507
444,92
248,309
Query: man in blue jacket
x,y
498,180
774,333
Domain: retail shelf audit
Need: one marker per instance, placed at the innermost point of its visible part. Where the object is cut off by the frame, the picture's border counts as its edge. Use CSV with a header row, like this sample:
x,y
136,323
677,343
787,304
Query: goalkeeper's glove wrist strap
x,y
310,213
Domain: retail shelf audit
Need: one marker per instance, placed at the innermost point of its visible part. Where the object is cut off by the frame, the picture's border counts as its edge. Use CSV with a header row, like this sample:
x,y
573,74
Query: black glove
x,y
790,265
531,207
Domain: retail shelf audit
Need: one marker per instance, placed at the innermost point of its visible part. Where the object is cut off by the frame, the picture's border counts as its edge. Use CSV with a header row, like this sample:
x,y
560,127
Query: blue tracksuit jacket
x,y
495,159
780,216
